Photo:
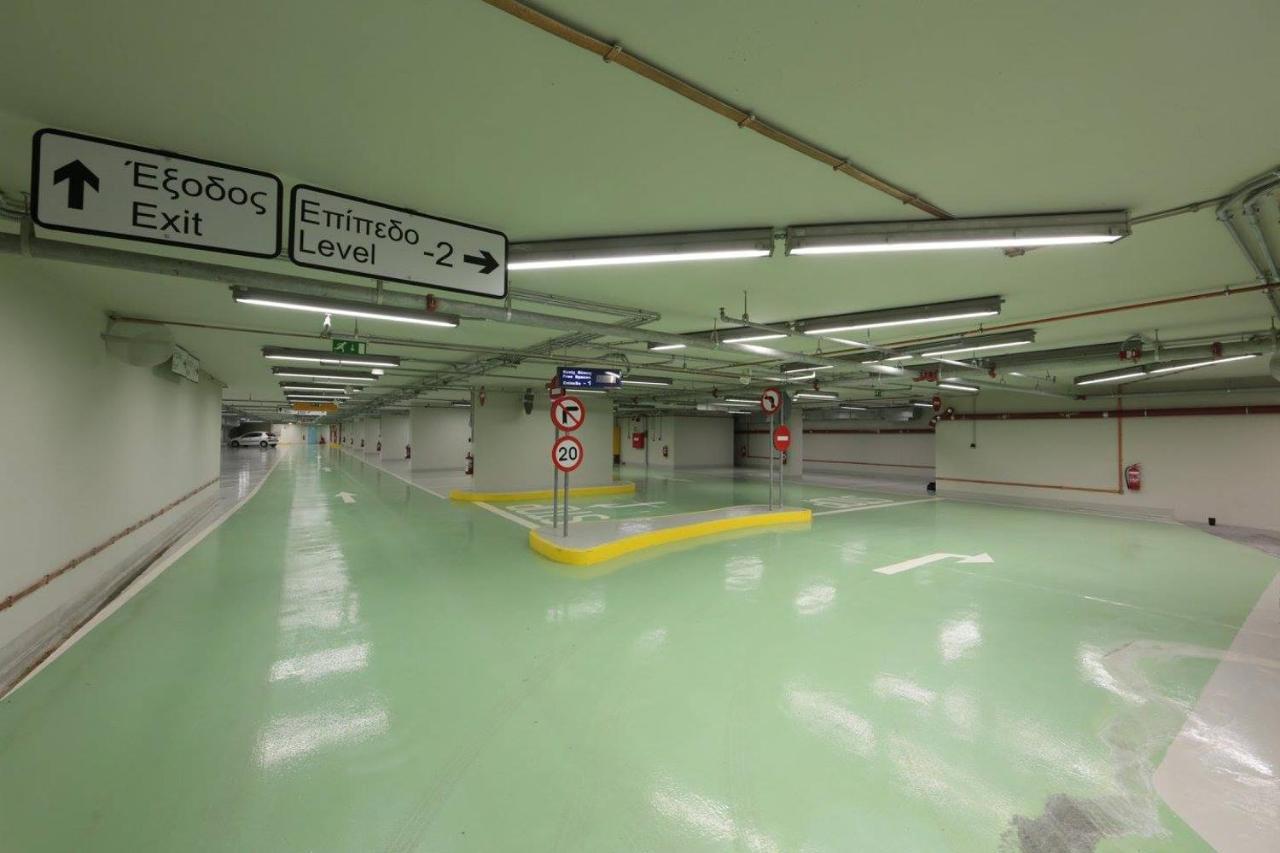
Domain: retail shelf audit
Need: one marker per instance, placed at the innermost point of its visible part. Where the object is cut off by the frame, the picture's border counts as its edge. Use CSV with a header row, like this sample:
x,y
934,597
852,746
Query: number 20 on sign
x,y
566,453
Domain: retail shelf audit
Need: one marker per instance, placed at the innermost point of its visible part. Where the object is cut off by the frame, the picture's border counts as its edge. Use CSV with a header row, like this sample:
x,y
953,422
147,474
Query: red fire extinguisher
x,y
379,446
408,452
1133,477
471,464
664,451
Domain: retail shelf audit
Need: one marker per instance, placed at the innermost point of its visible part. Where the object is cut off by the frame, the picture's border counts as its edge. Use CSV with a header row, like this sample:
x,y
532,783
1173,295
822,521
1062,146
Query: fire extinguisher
x,y
408,452
664,451
379,446
742,451
1133,477
471,464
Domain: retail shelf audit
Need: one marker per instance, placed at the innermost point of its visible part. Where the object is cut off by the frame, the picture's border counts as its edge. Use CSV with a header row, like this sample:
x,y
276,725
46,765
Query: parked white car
x,y
249,439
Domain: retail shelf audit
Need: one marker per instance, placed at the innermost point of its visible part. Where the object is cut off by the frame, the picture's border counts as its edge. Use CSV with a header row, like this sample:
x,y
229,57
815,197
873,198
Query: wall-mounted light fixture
x,y
642,249
340,307
1007,232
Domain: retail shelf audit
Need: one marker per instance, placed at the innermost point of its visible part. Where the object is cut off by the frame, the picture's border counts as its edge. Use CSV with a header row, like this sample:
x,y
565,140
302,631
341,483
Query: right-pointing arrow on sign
x,y
76,174
908,565
487,262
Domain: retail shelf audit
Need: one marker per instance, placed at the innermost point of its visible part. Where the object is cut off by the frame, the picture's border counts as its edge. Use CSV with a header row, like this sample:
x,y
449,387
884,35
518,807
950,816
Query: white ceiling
x,y
455,108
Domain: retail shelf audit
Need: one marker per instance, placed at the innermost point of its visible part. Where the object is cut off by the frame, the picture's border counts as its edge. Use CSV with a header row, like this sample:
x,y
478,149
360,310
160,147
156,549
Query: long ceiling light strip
x,y
642,249
1012,232
340,307
1157,368
322,357
645,380
936,312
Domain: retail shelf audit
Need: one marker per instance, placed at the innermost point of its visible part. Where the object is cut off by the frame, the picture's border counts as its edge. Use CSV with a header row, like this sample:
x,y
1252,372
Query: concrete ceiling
x,y
455,108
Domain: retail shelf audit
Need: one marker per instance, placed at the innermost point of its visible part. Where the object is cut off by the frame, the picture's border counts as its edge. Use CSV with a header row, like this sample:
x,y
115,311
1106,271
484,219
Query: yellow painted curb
x,y
599,553
541,494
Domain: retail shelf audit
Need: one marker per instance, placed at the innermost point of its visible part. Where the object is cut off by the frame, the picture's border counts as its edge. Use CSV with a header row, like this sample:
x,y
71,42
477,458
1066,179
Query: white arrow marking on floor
x,y
347,497
328,470
908,565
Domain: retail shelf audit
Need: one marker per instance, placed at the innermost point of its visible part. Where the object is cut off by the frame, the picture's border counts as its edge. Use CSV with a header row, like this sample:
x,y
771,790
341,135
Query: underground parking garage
x,y
914,407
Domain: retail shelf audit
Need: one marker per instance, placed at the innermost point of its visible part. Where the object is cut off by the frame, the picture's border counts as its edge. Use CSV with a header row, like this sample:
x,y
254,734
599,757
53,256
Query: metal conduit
x,y
613,53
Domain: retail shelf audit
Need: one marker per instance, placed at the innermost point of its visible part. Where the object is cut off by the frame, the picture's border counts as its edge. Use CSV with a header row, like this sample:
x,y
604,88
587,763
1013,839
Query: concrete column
x,y
441,438
395,435
513,449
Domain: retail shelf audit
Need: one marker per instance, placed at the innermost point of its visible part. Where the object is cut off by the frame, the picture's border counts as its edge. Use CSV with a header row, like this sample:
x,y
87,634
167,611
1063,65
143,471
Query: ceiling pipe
x,y
613,53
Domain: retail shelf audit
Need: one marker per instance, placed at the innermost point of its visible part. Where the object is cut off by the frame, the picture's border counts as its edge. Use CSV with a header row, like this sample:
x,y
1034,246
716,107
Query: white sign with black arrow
x,y
95,186
332,231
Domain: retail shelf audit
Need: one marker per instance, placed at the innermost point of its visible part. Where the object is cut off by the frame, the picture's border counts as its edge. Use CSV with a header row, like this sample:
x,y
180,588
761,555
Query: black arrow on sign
x,y
76,174
487,262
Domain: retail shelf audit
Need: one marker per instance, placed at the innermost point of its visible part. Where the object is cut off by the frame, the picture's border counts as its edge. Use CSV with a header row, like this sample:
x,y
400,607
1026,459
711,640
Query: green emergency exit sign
x,y
348,347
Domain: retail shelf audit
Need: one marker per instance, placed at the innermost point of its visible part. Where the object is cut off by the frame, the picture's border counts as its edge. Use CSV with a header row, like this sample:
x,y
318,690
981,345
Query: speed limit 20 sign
x,y
566,454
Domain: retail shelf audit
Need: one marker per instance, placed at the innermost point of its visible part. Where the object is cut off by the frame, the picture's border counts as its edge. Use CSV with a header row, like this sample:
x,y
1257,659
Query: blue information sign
x,y
589,377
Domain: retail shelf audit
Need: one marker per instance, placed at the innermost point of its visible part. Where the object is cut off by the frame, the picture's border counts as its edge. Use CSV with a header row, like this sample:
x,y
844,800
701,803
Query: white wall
x,y
106,445
845,448
1193,467
395,435
630,426
290,433
371,433
441,438
513,450
704,442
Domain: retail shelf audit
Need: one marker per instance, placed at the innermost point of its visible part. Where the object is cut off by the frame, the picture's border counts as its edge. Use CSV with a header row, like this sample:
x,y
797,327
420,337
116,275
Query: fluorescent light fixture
x,y
322,357
1157,368
314,397
750,337
796,377
1009,232
911,315
815,395
332,375
460,404
742,400
645,380
665,347
641,249
317,386
854,408
802,367
923,405
340,307
978,343
951,386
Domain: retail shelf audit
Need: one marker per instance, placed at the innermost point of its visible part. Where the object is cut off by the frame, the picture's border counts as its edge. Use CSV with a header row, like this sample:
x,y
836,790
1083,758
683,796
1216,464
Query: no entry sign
x,y
770,400
566,454
568,413
782,438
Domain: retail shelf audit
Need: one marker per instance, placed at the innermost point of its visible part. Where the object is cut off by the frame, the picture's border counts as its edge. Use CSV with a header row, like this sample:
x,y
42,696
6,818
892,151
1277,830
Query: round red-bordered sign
x,y
566,454
568,413
770,400
782,438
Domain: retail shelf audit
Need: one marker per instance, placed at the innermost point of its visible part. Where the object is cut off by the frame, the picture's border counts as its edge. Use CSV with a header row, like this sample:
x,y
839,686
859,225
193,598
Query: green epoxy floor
x,y
402,673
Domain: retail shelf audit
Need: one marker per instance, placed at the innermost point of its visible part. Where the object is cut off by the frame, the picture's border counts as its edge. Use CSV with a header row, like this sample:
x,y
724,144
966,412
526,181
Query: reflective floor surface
x,y
401,673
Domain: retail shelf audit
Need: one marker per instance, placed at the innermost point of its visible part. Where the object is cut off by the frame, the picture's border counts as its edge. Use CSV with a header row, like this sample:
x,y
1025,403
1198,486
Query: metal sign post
x,y
555,482
567,415
770,403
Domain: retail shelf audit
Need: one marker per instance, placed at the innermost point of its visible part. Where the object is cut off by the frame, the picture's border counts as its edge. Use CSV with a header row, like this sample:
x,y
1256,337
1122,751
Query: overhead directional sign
x,y
589,377
346,346
568,413
770,400
566,454
88,185
332,231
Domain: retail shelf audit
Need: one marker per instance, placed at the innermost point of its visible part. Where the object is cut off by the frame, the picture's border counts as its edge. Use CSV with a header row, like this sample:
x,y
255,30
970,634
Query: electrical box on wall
x,y
637,440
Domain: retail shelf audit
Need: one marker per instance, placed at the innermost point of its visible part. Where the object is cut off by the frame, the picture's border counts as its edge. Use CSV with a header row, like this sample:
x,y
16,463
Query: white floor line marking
x,y
137,584
402,479
509,516
347,497
875,506
908,565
